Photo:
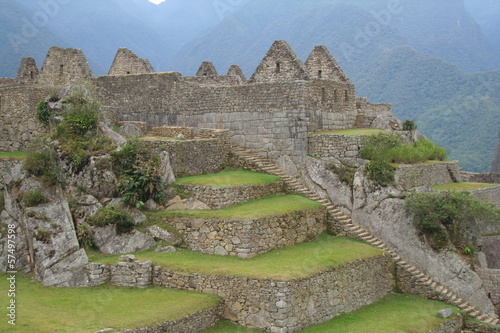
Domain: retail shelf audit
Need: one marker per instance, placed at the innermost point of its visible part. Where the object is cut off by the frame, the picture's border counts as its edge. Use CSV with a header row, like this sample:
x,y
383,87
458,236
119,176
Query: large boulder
x,y
108,240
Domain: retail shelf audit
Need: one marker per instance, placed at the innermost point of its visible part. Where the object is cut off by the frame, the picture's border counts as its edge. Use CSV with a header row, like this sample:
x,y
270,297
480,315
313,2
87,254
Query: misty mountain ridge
x,y
419,55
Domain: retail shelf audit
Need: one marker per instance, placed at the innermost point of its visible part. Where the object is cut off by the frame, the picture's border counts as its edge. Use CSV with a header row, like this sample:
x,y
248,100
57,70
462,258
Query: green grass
x,y
283,264
225,326
354,131
267,206
462,186
394,314
14,155
44,309
228,178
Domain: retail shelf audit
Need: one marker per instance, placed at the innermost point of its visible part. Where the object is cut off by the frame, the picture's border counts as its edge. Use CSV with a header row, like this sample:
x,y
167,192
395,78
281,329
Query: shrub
x,y
375,147
41,161
345,173
444,217
380,171
409,125
43,112
112,215
139,173
84,234
34,198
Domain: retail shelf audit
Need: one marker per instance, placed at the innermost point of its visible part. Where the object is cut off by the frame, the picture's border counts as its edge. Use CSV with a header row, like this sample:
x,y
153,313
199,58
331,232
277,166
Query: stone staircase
x,y
357,232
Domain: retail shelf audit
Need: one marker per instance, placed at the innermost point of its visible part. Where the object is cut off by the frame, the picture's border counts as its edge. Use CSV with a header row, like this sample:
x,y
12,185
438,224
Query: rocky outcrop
x,y
110,241
47,243
380,210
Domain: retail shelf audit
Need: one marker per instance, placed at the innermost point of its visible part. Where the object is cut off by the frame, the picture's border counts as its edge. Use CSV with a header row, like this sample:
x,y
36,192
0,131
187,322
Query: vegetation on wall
x,y
114,216
41,161
385,150
34,198
443,218
138,170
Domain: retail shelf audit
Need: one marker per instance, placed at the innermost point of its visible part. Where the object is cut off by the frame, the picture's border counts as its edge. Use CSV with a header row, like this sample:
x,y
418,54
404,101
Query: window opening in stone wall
x,y
61,69
32,75
323,95
128,72
319,74
278,67
346,96
335,96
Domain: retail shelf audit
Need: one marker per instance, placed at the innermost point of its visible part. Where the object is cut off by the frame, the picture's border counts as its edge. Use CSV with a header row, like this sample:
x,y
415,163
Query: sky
x,y
156,2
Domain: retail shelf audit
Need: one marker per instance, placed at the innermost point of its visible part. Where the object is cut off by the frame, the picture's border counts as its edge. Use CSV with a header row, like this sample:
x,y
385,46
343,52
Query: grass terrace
x,y
462,186
45,310
230,178
283,264
267,206
159,138
395,313
14,155
354,131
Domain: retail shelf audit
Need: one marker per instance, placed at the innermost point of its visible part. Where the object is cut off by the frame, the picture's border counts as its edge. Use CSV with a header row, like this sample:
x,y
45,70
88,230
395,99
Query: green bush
x,y
409,125
380,171
139,173
375,147
34,198
43,112
383,149
84,234
345,173
112,215
443,217
41,161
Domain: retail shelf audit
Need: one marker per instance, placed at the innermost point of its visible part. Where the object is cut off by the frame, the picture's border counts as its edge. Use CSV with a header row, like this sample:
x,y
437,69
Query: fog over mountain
x,y
436,61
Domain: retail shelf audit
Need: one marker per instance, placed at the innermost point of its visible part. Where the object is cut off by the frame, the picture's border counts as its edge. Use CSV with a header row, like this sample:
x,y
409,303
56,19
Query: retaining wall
x,y
427,174
472,177
218,197
490,194
335,146
246,239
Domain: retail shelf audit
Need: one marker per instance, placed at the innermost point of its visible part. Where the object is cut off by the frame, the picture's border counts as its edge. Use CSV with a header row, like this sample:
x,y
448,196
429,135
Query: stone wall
x,y
427,174
246,239
194,157
218,197
127,62
451,326
65,66
368,112
285,307
195,322
172,132
491,280
335,146
18,115
490,194
488,178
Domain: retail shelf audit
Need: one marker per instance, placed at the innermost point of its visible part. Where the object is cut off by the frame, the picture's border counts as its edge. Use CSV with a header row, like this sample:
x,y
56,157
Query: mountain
x,y
459,111
20,37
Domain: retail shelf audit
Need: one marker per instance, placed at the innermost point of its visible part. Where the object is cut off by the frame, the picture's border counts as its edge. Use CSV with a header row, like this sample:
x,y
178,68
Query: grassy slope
x,y
462,186
14,155
228,178
395,313
44,309
282,264
268,206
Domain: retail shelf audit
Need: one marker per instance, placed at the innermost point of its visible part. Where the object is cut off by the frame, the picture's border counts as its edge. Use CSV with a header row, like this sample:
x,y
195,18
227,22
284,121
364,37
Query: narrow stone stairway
x,y
355,231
